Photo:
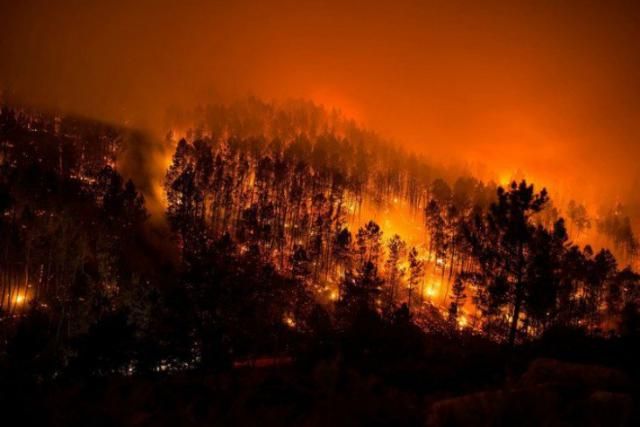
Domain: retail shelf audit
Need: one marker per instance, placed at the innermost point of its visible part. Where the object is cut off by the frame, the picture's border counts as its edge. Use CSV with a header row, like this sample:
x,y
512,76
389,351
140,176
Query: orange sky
x,y
552,88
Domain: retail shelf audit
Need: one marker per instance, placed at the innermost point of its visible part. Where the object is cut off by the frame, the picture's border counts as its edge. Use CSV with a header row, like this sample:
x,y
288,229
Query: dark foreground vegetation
x,y
460,380
263,298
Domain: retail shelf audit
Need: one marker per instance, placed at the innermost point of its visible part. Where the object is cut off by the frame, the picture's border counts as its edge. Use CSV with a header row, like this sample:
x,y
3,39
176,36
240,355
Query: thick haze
x,y
552,88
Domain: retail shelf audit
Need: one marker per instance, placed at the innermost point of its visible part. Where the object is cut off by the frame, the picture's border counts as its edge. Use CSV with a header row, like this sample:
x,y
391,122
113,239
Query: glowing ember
x,y
462,322
289,321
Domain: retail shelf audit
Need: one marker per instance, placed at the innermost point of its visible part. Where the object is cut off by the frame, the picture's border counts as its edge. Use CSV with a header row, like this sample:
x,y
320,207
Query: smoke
x,y
548,88
144,159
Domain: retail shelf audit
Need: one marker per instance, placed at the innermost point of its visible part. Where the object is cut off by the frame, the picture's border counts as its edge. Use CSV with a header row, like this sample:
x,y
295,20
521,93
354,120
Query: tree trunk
x,y
516,314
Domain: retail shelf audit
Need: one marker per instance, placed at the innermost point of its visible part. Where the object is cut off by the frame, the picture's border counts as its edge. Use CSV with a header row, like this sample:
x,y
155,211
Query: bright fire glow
x,y
290,321
462,321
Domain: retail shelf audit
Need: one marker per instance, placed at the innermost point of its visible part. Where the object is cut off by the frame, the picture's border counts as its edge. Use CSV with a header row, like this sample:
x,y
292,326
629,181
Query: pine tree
x,y
416,275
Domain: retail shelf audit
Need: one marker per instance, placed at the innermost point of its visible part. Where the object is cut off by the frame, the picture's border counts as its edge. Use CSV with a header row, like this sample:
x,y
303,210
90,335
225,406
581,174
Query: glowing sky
x,y
549,87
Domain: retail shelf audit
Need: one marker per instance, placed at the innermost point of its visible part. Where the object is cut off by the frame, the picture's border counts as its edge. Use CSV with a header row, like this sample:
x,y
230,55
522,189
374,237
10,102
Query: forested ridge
x,y
266,251
294,197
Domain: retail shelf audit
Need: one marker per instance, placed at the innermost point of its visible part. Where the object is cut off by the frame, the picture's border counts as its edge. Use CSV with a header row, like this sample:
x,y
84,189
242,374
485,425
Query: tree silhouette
x,y
416,275
501,243
397,250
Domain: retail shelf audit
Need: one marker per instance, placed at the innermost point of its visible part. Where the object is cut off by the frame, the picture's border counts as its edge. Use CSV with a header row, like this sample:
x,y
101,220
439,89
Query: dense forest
x,y
269,254
288,186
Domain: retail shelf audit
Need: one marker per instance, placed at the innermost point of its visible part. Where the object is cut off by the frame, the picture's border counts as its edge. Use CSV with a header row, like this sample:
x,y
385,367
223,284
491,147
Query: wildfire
x,y
18,300
462,322
289,321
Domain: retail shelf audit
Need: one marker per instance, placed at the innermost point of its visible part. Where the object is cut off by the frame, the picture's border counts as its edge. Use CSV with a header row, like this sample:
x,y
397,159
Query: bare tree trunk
x,y
514,320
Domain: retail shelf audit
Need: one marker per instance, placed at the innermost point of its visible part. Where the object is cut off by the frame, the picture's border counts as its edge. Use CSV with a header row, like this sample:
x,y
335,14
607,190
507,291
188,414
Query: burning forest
x,y
282,259
290,229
